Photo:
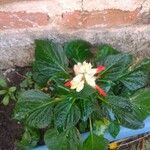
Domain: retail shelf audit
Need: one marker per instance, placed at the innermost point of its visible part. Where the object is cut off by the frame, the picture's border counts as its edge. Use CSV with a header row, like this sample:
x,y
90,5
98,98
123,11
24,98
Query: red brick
x,y
17,20
108,18
10,1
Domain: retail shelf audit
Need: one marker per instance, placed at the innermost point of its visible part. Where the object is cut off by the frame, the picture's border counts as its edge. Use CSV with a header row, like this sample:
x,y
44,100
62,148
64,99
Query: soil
x,y
10,130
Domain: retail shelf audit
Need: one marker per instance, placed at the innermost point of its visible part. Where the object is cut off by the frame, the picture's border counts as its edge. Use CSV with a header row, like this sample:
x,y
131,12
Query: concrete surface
x,y
17,47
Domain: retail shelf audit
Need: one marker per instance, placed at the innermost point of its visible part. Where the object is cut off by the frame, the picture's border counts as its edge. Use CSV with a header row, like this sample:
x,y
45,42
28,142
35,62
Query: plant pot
x,y
124,133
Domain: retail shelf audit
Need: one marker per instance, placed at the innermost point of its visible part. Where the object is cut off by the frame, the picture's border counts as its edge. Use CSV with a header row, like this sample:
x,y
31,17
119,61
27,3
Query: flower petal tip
x,y
100,68
67,84
101,91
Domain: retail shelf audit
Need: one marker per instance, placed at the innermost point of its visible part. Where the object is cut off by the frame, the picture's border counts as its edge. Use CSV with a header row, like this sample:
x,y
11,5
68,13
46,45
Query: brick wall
x,y
125,24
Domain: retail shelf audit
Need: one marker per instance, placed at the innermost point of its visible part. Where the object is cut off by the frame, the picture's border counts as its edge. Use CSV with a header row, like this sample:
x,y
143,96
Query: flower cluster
x,y
84,73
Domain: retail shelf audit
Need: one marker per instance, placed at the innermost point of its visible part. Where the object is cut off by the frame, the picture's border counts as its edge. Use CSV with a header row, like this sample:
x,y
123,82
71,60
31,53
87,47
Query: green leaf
x,y
100,126
116,65
129,120
94,142
102,111
52,139
28,82
144,65
2,92
86,92
29,139
117,102
41,116
104,51
50,61
60,89
87,107
3,82
50,52
78,50
13,97
35,107
114,129
105,84
141,102
67,140
83,126
5,100
134,80
124,112
120,90
67,114
12,89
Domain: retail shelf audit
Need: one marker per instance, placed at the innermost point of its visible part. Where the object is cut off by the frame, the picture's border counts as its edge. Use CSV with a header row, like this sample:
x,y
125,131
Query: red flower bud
x,y
99,69
101,91
67,84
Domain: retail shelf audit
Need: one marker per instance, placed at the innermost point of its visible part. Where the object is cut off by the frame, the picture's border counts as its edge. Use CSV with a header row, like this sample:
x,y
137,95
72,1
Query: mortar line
x,y
82,9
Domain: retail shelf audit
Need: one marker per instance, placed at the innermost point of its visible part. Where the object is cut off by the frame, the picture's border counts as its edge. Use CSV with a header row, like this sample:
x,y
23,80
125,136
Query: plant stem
x,y
91,128
103,72
100,98
51,102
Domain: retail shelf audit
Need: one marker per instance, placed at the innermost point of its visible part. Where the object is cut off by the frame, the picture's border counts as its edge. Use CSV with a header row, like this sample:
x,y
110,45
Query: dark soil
x,y
10,130
15,76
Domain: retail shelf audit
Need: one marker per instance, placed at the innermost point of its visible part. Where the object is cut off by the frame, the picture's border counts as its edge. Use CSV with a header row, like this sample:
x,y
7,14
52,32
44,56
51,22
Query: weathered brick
x,y
52,7
70,5
106,18
129,5
10,1
17,20
7,1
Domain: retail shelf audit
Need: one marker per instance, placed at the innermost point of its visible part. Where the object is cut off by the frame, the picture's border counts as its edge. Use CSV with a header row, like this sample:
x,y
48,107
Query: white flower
x,y
85,74
84,68
77,82
90,80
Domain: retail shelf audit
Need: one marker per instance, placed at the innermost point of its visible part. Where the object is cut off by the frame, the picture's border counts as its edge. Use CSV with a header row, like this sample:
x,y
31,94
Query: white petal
x,y
78,78
92,72
90,80
87,66
77,69
73,85
79,64
84,63
80,86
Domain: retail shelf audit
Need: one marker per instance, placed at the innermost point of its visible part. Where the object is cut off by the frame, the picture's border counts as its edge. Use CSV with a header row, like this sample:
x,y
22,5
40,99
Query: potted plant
x,y
82,88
